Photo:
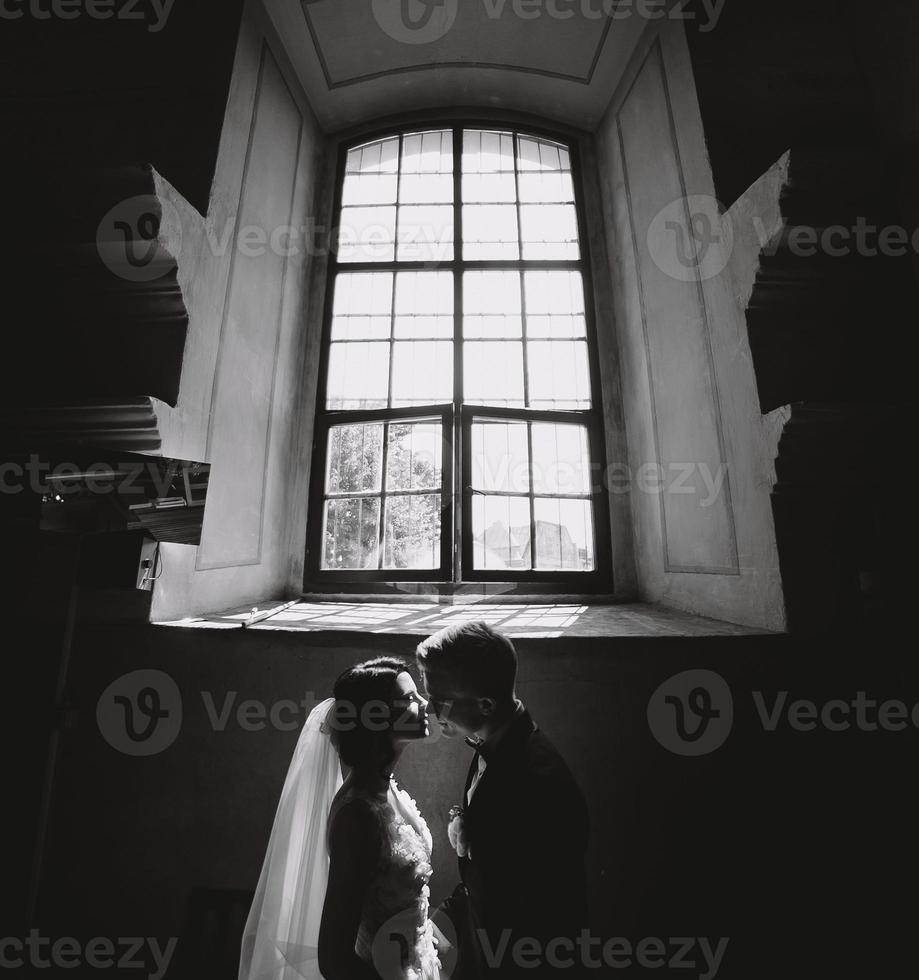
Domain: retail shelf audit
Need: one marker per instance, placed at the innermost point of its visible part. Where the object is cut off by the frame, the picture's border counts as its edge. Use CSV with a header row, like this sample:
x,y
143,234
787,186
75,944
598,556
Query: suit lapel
x,y
504,755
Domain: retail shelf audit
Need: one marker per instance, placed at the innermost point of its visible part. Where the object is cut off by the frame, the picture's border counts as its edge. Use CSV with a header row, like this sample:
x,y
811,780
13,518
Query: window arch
x,y
459,430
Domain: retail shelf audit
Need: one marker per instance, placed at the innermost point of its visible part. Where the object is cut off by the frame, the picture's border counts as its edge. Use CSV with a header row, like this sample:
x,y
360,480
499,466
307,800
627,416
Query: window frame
x,y
456,570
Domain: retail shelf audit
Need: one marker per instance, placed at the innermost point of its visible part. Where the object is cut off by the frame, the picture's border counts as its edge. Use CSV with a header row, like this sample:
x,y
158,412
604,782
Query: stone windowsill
x,y
421,617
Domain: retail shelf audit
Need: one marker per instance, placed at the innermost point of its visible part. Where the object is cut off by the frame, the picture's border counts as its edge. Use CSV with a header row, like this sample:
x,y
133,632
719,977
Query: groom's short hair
x,y
482,657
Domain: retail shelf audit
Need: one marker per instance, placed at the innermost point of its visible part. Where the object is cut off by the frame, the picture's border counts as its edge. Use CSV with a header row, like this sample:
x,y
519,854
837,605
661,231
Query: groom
x,y
523,832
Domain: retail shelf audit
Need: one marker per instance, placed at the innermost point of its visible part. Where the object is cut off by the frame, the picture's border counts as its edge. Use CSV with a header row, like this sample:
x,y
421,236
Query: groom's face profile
x,y
459,709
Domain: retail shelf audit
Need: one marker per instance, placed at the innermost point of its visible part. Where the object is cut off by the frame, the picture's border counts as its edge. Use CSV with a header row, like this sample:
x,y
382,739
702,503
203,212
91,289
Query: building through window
x,y
459,435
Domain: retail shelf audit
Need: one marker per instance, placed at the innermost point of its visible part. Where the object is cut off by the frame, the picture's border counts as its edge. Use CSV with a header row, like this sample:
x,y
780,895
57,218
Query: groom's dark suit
x,y
526,828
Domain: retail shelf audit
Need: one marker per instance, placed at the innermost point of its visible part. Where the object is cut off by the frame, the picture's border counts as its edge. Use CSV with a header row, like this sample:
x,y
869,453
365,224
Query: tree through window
x,y
458,429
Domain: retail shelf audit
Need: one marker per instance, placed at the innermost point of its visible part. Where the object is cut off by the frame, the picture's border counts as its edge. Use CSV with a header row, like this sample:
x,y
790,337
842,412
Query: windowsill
x,y
460,593
421,616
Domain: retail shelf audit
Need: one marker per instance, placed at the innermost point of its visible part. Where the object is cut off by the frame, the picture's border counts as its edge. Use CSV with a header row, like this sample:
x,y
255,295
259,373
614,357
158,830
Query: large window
x,y
458,432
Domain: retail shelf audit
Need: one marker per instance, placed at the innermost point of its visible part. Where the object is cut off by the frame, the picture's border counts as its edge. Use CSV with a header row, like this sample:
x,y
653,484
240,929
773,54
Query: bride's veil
x,y
281,937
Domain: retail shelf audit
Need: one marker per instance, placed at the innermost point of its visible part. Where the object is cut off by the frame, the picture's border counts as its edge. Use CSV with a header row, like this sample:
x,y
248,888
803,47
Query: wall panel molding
x,y
228,523
681,528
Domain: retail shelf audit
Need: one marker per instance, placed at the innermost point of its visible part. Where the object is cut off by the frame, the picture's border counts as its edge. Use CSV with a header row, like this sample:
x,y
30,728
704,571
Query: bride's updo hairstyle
x,y
362,717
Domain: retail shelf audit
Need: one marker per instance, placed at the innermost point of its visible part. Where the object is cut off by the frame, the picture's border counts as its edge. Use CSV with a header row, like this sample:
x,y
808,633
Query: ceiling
x,y
364,59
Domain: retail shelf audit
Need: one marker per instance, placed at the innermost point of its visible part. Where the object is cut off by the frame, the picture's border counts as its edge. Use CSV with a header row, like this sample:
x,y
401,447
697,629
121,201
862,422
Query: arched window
x,y
458,434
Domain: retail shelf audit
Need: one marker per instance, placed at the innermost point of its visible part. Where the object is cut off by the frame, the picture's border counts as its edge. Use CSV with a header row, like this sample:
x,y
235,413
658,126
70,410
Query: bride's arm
x,y
354,849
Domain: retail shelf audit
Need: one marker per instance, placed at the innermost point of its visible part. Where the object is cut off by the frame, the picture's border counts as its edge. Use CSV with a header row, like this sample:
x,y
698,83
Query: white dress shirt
x,y
491,742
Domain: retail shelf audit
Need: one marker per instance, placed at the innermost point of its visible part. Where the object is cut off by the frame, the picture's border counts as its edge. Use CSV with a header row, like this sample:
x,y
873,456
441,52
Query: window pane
x,y
501,532
378,157
545,172
425,233
493,373
351,532
546,188
415,456
487,152
490,231
549,231
370,173
564,535
558,374
426,189
541,155
424,304
555,304
367,234
358,375
561,460
369,189
488,167
491,304
362,308
489,189
428,153
355,458
411,534
422,372
427,168
500,456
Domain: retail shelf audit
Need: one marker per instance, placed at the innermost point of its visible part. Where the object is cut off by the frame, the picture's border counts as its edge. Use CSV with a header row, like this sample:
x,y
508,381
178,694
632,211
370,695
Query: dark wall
x,y
775,76
129,89
787,843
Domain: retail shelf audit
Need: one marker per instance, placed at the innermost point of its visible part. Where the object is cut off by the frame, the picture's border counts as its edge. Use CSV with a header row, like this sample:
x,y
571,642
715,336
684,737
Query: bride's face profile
x,y
410,711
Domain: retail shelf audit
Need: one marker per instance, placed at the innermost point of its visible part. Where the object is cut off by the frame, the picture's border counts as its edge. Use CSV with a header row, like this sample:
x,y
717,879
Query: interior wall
x,y
244,269
752,842
622,536
885,46
700,455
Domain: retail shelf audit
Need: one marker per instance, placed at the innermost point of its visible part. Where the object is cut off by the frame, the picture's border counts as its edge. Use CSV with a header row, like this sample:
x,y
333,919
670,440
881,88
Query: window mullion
x,y
524,354
459,476
383,463
392,357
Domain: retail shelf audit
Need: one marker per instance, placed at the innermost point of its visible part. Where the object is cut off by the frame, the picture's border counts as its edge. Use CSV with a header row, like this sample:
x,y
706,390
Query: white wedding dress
x,y
396,936
281,937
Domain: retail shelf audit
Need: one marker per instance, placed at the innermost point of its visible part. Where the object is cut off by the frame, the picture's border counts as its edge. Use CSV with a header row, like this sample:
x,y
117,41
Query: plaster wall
x,y
246,279
747,842
700,455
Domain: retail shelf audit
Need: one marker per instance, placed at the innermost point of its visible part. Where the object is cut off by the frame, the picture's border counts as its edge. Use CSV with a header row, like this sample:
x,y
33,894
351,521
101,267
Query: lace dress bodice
x,y
395,935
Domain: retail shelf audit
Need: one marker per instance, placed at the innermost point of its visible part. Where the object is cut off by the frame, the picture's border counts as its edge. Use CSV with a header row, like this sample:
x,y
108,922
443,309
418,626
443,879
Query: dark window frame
x,y
456,569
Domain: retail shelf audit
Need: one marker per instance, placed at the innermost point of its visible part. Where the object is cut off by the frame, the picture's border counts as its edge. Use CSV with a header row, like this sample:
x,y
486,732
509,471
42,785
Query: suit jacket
x,y
527,830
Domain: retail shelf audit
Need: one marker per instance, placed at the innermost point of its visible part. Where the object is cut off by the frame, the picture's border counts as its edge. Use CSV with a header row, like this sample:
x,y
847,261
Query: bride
x,y
343,892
